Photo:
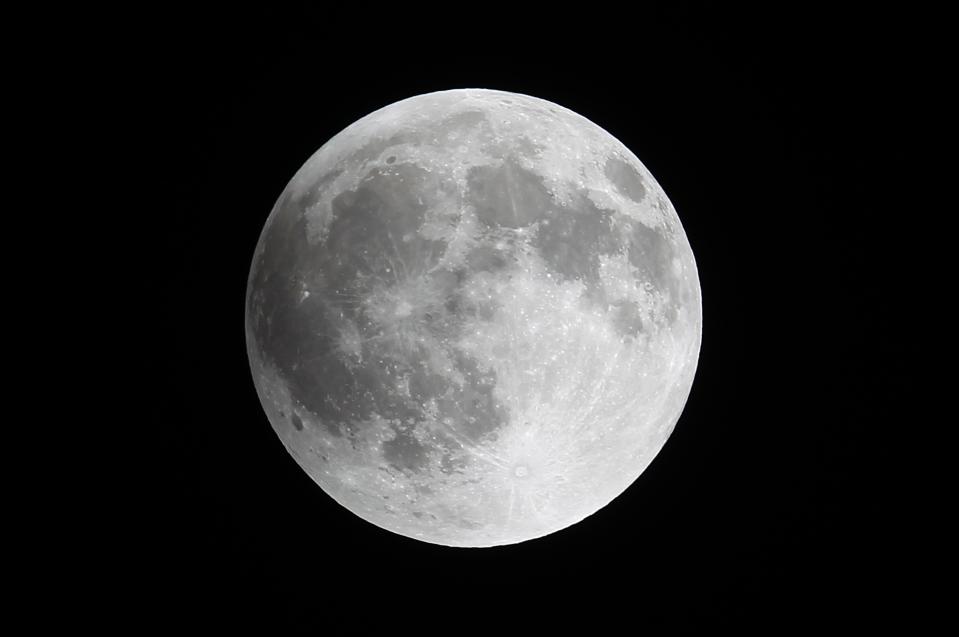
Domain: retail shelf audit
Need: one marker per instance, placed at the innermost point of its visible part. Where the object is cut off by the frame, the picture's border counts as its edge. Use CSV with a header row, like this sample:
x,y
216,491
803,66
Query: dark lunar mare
x,y
305,296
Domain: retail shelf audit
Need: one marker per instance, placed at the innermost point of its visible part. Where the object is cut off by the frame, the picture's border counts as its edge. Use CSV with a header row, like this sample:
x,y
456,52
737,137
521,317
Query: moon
x,y
473,317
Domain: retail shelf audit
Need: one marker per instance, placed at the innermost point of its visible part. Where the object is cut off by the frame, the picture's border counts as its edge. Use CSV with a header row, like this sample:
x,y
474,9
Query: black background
x,y
771,504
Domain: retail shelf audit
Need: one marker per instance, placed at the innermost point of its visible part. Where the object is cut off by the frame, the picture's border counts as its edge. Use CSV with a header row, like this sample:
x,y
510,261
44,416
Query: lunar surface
x,y
473,317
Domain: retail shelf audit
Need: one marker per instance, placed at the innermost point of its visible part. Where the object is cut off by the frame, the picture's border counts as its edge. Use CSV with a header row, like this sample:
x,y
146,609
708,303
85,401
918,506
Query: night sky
x,y
771,504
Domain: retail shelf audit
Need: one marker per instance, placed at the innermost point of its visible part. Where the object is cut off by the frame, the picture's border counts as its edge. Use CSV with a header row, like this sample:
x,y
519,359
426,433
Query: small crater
x,y
391,159
297,423
521,471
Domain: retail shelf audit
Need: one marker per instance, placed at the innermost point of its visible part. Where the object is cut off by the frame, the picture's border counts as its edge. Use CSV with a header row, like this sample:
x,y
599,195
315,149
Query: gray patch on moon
x,y
625,179
405,452
651,253
507,195
627,319
572,237
488,258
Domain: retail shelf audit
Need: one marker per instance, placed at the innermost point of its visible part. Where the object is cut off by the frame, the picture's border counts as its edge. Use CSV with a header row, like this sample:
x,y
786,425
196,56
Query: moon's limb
x,y
473,317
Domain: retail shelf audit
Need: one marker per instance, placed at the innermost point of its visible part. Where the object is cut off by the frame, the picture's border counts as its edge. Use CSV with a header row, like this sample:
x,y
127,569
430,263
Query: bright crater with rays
x,y
473,317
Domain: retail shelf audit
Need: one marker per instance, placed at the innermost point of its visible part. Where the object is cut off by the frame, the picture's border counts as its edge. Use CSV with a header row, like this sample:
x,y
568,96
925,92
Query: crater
x,y
625,179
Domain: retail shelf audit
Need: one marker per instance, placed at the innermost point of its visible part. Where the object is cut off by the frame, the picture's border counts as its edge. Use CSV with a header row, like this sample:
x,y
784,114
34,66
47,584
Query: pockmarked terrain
x,y
473,317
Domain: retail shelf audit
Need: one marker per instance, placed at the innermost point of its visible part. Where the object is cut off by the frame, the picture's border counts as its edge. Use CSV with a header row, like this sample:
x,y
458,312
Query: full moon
x,y
473,317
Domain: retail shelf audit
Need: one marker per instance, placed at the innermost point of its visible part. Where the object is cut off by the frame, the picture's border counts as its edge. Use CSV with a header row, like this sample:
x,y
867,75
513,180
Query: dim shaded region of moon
x,y
473,317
